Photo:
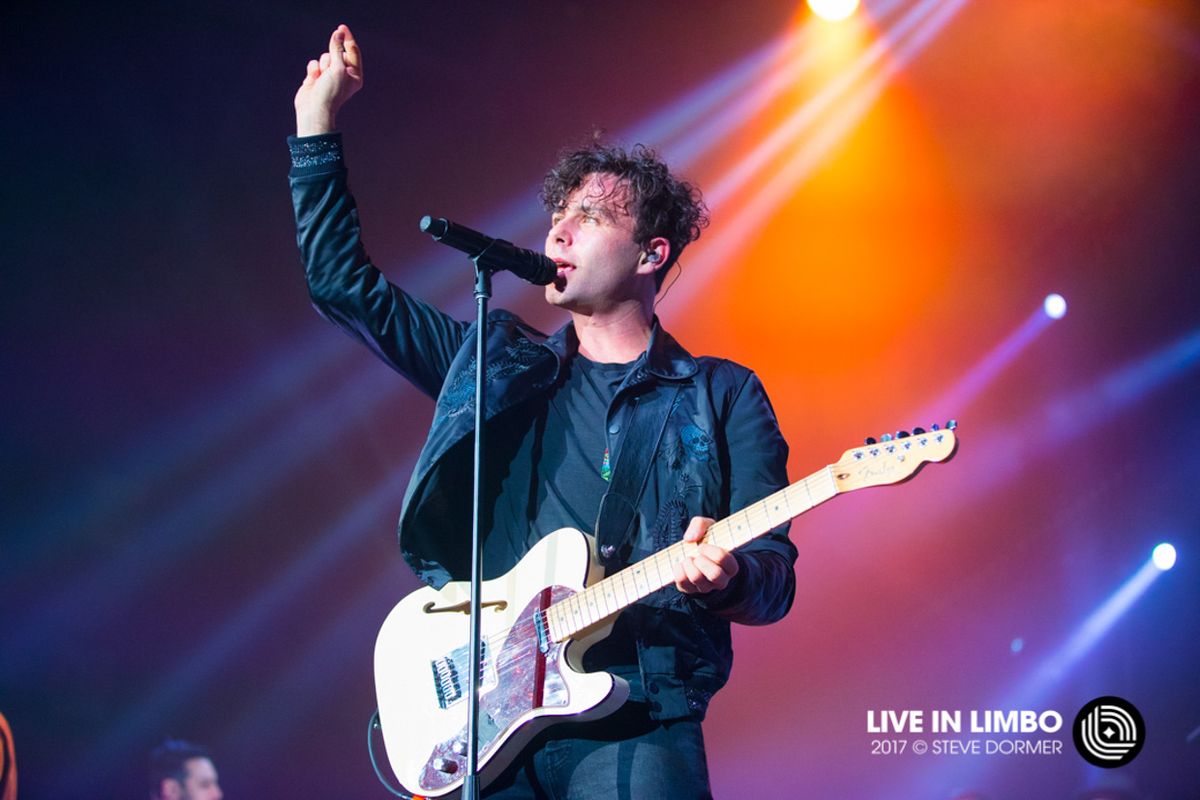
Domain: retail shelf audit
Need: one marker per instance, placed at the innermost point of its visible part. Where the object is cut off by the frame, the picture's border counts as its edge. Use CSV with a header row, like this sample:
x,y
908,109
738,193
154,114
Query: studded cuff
x,y
312,155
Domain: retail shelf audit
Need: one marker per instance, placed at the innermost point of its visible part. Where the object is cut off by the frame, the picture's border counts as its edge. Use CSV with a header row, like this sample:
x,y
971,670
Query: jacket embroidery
x,y
698,443
519,354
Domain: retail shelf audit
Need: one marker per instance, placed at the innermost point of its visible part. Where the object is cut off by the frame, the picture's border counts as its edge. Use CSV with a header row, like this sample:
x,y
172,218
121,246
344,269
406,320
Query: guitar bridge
x,y
450,674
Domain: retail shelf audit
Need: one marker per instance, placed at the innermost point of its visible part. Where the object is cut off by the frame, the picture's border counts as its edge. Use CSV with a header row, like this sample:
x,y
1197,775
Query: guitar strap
x,y
618,508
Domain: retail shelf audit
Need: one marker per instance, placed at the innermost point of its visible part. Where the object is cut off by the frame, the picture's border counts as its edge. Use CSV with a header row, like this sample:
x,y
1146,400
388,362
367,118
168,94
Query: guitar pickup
x,y
449,675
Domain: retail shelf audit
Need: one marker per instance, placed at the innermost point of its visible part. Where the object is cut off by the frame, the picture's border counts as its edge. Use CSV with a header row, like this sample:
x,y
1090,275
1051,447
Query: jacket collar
x,y
664,357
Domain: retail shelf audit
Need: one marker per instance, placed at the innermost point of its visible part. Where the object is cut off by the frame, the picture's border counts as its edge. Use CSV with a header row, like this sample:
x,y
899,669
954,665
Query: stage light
x,y
833,10
1055,669
1055,306
1018,644
1164,556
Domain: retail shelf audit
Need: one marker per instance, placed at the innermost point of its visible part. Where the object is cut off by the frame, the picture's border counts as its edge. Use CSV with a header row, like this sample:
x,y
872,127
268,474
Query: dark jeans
x,y
625,756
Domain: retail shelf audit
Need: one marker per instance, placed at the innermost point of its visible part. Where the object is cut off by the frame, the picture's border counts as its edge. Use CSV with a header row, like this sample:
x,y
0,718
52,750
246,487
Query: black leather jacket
x,y
720,451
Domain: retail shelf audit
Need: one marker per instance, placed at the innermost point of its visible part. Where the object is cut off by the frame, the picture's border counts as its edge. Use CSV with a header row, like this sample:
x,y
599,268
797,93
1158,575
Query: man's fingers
x,y
710,570
313,71
702,574
709,567
697,527
694,577
689,579
326,60
352,56
335,43
724,559
681,580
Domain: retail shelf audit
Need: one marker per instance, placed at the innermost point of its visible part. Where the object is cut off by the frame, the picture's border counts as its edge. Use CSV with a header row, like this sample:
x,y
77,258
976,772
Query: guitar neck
x,y
610,596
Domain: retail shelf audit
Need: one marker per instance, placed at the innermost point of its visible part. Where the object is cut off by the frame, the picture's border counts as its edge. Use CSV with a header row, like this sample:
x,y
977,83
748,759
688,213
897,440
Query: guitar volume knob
x,y
445,765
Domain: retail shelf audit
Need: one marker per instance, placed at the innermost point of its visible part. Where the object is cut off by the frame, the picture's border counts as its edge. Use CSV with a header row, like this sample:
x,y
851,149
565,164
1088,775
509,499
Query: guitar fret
x,y
614,593
610,597
579,611
669,557
593,613
558,625
654,562
743,528
620,597
719,536
630,586
639,579
764,511
590,606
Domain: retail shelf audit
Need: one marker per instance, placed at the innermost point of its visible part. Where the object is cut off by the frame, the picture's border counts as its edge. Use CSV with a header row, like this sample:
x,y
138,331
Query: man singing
x,y
559,409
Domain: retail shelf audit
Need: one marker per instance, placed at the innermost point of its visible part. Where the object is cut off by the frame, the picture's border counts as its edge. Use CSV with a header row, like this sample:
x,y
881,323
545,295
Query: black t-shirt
x,y
552,468
559,467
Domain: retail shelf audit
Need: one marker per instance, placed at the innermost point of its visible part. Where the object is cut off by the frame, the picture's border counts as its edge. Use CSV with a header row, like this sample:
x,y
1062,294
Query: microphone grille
x,y
435,227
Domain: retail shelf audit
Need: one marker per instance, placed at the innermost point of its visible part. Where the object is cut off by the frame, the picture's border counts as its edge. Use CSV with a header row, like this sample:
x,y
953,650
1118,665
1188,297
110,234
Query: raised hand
x,y
330,81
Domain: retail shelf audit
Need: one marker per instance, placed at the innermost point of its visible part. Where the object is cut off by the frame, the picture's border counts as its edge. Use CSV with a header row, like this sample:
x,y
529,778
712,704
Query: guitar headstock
x,y
894,457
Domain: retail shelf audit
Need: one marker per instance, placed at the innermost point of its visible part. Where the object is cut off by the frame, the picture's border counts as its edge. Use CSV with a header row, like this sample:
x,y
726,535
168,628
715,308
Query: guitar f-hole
x,y
464,607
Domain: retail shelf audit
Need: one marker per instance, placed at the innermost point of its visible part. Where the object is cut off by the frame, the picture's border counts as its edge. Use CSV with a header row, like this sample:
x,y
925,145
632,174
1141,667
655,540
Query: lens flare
x,y
1055,306
833,10
1164,556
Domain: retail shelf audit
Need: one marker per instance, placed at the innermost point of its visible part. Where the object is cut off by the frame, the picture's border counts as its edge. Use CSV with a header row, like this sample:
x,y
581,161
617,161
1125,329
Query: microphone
x,y
492,254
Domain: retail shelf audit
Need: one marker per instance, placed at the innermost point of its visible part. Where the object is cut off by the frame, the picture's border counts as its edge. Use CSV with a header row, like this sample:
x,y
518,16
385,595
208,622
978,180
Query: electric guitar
x,y
540,618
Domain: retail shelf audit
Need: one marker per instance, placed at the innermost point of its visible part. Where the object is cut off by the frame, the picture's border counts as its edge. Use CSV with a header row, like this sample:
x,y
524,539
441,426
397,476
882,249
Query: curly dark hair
x,y
169,760
662,204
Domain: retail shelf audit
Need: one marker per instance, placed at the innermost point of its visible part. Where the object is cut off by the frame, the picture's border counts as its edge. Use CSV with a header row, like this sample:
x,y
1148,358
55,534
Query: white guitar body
x,y
540,618
529,682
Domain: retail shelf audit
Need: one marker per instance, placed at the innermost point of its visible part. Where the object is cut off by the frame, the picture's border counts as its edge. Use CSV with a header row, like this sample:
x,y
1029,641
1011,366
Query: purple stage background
x,y
201,477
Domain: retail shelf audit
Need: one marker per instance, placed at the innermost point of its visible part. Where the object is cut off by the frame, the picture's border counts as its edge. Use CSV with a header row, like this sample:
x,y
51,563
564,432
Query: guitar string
x,y
752,516
759,517
580,610
754,513
572,610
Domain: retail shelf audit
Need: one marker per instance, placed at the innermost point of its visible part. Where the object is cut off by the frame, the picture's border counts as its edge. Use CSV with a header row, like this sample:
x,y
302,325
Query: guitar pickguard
x,y
526,679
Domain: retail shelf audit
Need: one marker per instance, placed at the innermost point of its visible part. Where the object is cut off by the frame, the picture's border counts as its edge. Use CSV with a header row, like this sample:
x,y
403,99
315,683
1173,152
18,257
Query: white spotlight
x,y
1055,306
1164,556
833,10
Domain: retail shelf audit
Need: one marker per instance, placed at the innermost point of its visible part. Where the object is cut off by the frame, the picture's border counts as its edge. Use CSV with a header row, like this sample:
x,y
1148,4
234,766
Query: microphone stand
x,y
488,255
483,292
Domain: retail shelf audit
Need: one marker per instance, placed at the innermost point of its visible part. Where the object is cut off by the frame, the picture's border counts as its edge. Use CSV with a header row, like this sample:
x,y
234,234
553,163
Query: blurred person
x,y
8,762
181,770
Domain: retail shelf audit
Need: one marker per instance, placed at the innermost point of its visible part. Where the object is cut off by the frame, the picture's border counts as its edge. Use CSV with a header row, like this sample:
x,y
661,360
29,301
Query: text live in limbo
x,y
941,732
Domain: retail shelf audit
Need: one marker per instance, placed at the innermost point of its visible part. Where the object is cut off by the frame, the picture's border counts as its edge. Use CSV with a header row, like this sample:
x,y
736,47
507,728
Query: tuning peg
x,y
902,434
935,427
870,440
952,424
887,437
918,431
